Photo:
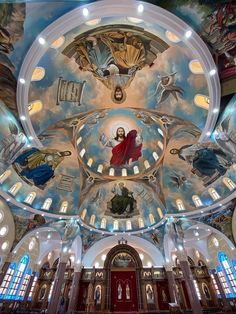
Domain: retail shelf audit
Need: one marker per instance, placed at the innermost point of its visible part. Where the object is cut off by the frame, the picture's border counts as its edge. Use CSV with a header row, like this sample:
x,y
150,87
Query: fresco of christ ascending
x,y
125,148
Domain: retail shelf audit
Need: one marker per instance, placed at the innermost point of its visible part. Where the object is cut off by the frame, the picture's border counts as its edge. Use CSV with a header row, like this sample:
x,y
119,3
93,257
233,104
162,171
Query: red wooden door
x,y
123,291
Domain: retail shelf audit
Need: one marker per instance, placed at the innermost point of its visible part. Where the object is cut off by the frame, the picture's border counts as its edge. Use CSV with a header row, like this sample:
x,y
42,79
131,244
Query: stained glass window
x,y
228,272
6,280
12,292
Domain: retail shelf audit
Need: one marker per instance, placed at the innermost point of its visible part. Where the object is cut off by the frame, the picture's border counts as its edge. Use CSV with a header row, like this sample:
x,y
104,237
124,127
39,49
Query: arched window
x,y
151,219
214,195
160,213
84,213
128,225
229,183
180,204
92,220
4,176
17,279
24,285
116,225
103,223
64,206
47,203
197,201
229,274
15,188
30,198
6,280
140,223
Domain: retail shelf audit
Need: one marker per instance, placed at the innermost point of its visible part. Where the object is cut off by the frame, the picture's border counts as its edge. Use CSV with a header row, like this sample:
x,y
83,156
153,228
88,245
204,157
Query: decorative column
x,y
188,277
171,283
5,266
58,281
226,305
74,289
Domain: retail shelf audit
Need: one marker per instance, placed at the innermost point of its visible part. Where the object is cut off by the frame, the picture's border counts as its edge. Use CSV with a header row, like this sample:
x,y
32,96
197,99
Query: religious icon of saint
x,y
123,200
119,291
97,295
127,291
149,294
39,165
125,148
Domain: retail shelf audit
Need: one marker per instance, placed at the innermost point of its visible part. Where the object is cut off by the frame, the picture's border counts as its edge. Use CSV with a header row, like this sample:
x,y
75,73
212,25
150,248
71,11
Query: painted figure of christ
x,y
125,148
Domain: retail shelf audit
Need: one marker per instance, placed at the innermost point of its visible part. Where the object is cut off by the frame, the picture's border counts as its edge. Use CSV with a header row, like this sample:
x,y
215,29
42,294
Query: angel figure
x,y
167,87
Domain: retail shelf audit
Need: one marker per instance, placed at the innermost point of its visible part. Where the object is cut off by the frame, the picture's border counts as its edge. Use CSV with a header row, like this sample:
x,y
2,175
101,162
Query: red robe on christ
x,y
126,150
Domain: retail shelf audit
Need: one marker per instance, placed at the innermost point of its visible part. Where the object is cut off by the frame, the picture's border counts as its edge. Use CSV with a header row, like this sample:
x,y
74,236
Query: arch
x,y
197,201
103,223
4,176
92,220
140,223
64,206
47,203
151,219
229,183
122,248
180,204
83,214
15,188
30,198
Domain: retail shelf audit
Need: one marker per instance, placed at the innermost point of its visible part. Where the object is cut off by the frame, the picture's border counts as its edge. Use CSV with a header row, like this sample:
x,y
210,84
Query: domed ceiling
x,y
114,120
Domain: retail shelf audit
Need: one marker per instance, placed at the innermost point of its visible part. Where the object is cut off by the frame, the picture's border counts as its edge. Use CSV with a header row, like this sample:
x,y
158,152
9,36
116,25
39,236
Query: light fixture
x,y
140,8
96,265
65,249
201,211
141,256
215,110
23,118
196,233
208,133
180,247
104,257
42,41
30,138
85,12
24,208
8,199
149,264
188,34
22,81
212,72
28,145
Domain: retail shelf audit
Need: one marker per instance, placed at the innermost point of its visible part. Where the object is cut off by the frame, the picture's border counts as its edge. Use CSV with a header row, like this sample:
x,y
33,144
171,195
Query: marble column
x,y
171,283
226,305
58,281
188,278
5,266
74,292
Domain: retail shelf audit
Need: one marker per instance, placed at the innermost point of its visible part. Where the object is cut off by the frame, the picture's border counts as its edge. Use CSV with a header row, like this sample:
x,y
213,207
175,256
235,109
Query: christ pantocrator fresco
x,y
114,54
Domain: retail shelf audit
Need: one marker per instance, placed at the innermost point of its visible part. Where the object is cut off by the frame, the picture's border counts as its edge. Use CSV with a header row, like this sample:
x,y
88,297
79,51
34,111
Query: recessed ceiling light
x,y
28,145
212,72
215,110
23,118
188,34
22,81
201,211
208,133
8,199
140,8
30,138
42,41
85,12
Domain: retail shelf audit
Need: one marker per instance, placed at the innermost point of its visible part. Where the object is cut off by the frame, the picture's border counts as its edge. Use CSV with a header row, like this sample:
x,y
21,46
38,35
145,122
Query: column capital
x,y
77,268
64,257
182,256
168,266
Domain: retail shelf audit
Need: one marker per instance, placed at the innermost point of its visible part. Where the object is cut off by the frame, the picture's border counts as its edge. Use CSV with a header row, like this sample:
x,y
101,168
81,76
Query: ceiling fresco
x,y
115,110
